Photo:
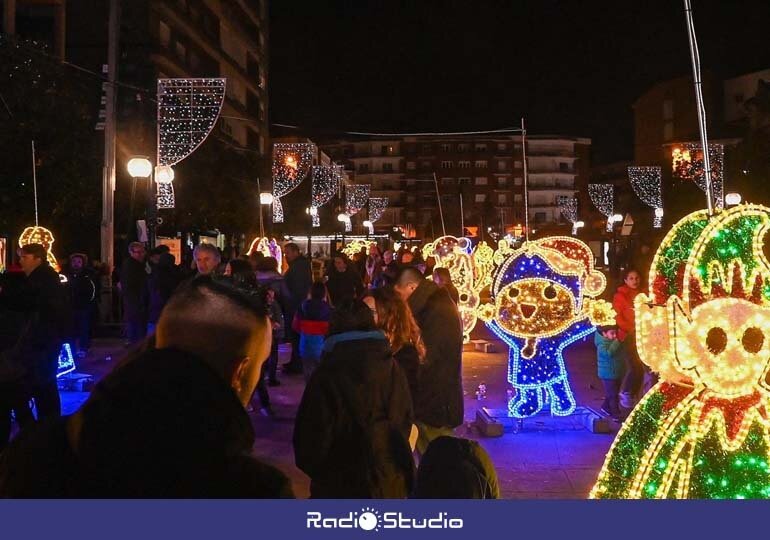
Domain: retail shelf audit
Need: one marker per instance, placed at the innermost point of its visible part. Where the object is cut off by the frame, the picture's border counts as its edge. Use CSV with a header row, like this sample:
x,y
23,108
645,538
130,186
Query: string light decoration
x,y
603,198
377,206
291,163
277,210
646,183
188,109
703,431
325,183
543,300
356,196
356,245
687,164
268,247
44,237
66,361
165,195
568,206
470,270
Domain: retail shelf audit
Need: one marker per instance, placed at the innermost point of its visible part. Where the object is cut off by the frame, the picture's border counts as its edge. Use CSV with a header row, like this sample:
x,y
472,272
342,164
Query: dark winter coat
x,y
161,284
455,468
344,286
311,322
133,288
84,289
46,313
162,425
275,281
299,278
439,401
352,429
408,359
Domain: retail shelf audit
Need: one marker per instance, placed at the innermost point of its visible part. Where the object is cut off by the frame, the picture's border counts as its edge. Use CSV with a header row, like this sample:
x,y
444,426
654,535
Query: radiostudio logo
x,y
371,519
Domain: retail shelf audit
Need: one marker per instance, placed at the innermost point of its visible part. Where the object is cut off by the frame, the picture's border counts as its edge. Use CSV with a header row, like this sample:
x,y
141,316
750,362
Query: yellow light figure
x,y
544,299
40,235
268,248
470,271
703,430
356,245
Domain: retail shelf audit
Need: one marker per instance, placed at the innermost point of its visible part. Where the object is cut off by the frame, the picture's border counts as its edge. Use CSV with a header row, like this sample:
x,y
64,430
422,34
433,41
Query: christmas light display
x,y
377,206
277,210
188,109
569,209
603,198
703,431
42,236
267,247
325,183
646,183
356,196
544,300
66,361
165,195
470,270
687,164
356,245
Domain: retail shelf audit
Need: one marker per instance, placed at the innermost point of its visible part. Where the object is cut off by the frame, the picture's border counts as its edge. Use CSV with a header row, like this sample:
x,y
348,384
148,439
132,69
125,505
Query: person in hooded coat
x,y
455,468
351,436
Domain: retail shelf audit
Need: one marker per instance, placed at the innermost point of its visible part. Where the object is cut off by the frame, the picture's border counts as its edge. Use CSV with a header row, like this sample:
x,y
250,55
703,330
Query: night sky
x,y
569,67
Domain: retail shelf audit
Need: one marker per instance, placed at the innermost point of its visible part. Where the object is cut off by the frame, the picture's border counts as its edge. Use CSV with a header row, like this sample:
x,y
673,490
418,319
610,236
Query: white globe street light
x,y
164,174
265,198
733,199
139,167
659,212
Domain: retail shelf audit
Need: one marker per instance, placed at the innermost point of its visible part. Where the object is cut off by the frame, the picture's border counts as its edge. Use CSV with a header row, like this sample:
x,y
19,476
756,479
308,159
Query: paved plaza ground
x,y
542,458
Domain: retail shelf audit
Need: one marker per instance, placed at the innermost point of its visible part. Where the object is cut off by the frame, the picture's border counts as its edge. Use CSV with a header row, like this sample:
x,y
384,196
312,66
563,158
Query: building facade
x,y
43,21
447,183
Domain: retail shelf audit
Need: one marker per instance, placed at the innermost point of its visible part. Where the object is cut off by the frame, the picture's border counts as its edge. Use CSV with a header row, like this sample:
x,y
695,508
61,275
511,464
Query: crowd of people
x,y
379,345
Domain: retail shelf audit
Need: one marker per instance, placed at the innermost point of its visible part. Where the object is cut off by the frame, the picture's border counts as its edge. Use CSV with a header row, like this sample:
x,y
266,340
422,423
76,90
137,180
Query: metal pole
x,y
440,211
526,188
108,174
462,213
259,199
695,59
34,179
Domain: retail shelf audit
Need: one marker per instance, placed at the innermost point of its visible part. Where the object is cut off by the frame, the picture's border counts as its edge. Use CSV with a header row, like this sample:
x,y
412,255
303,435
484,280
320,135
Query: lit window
x,y
481,181
480,164
446,164
480,197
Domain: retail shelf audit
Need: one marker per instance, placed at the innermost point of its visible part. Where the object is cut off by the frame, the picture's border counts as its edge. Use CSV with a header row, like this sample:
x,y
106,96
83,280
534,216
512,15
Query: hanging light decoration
x,y
377,206
687,164
356,196
165,195
325,182
277,210
603,198
646,182
188,109
291,163
568,206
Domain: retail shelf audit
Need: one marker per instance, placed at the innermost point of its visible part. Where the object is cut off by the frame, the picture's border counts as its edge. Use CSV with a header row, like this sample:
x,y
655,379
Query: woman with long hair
x,y
394,318
623,303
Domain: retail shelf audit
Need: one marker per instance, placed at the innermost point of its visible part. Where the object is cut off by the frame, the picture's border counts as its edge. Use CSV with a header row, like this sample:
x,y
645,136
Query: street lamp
x,y
265,198
733,199
139,167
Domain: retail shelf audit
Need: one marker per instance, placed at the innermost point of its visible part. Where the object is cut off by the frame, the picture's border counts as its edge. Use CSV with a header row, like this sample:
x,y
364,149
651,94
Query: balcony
x,y
551,186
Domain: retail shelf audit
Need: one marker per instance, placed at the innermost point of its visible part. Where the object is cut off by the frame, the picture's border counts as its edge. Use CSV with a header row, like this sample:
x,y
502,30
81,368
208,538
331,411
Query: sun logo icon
x,y
369,520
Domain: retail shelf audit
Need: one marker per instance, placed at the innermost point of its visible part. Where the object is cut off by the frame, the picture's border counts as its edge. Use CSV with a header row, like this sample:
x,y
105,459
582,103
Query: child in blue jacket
x,y
610,362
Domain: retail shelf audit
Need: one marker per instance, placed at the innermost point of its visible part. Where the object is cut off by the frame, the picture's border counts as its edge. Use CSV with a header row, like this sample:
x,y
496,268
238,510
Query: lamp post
x,y
265,199
141,167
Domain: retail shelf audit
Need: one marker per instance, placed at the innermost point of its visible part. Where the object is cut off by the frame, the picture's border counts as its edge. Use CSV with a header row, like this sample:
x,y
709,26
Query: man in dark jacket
x,y
439,401
344,283
299,278
133,288
161,283
45,308
353,424
165,423
84,291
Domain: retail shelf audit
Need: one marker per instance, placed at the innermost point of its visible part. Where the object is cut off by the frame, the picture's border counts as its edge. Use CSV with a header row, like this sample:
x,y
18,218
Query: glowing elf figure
x,y
542,303
703,431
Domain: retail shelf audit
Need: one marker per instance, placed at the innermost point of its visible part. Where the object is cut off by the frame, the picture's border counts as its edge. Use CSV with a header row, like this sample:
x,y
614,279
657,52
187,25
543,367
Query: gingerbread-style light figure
x,y
42,236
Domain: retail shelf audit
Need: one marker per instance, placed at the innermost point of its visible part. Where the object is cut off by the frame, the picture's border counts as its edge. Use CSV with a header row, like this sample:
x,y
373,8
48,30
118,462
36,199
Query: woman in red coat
x,y
623,303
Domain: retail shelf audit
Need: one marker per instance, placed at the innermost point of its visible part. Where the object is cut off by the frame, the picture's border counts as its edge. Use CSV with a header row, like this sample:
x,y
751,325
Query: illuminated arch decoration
x,y
703,430
188,109
687,164
544,300
470,270
646,183
268,247
291,163
377,206
325,183
43,236
569,209
603,198
355,247
356,196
